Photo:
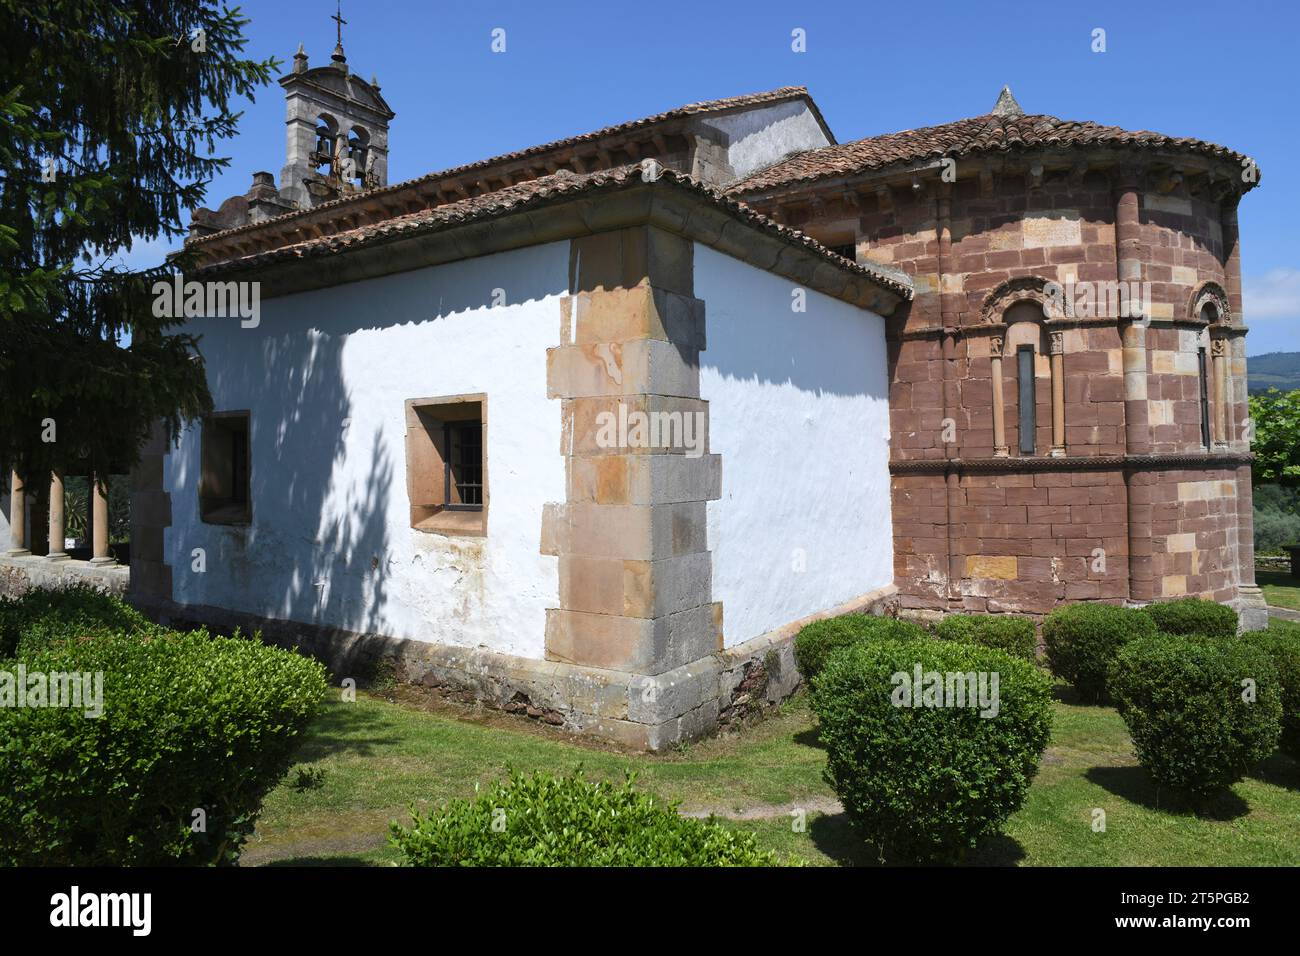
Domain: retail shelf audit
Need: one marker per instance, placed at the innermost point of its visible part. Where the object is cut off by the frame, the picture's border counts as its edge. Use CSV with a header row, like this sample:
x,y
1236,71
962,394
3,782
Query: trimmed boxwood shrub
x,y
42,615
1182,699
189,723
815,643
1193,616
1282,644
1082,640
1006,632
924,784
545,820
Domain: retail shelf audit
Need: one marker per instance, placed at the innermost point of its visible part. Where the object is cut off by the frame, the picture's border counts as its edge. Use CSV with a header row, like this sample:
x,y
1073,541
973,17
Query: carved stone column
x,y
99,522
57,522
1000,449
1219,357
17,517
1057,346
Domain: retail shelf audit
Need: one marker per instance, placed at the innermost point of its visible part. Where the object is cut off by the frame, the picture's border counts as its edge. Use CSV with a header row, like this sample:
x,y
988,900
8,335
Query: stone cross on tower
x,y
339,21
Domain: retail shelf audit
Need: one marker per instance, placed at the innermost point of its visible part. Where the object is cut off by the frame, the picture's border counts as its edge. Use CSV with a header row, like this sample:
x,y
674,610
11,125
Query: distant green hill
x,y
1274,370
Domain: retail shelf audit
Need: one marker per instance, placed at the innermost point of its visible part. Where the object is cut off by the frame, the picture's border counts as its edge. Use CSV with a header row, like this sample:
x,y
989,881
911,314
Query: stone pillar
x,y
1057,348
1251,607
1000,449
631,538
99,522
57,519
17,516
1219,360
1137,436
948,305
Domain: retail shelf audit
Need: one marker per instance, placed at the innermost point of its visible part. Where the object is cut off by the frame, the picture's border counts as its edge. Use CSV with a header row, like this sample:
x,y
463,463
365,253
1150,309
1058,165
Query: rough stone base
x,y
1252,612
643,712
20,573
1251,608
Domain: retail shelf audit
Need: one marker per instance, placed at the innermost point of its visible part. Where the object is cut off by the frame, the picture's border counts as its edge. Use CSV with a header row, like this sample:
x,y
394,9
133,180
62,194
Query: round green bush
x,y
817,641
1282,644
1082,640
1006,632
1193,727
44,615
545,820
1193,616
190,729
925,783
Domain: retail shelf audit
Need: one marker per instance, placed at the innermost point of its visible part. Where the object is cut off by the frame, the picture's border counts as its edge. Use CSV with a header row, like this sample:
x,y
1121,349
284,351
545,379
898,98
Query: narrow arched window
x,y
1026,344
1212,366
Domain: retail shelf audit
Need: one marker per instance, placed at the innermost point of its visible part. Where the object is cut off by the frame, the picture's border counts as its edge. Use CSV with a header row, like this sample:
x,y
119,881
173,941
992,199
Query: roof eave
x,y
672,202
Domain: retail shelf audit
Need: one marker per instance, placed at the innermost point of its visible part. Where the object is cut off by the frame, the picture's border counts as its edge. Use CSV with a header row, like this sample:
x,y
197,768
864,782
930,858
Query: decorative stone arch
x,y
1012,292
327,133
1215,349
1213,294
1013,295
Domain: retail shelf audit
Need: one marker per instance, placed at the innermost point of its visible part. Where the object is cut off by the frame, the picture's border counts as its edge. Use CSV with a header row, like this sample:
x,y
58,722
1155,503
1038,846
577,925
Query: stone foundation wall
x,y
646,712
1030,541
20,574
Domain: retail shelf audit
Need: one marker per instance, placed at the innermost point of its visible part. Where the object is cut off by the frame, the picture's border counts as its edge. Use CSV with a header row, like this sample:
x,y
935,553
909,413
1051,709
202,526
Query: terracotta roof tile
x,y
537,193
978,134
478,166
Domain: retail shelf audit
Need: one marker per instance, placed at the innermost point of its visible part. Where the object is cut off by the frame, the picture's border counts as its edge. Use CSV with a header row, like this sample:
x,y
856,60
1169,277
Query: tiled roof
x,y
478,166
539,192
989,133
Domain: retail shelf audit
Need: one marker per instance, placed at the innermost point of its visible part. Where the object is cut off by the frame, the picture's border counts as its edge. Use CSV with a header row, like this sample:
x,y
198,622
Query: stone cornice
x,y
1111,160
939,466
1000,328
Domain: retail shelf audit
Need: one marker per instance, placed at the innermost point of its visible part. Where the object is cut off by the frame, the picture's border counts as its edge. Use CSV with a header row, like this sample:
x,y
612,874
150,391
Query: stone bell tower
x,y
336,131
336,134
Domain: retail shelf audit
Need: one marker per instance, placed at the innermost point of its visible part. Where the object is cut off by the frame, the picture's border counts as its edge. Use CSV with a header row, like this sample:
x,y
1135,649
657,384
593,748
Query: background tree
x,y
1275,440
1275,474
110,112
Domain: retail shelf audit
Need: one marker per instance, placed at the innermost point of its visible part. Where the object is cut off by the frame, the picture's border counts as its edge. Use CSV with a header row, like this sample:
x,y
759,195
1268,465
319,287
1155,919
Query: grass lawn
x,y
365,762
1280,589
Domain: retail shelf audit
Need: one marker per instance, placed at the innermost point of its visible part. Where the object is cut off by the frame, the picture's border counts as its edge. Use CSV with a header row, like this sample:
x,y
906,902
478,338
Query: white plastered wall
x,y
326,375
798,410
757,138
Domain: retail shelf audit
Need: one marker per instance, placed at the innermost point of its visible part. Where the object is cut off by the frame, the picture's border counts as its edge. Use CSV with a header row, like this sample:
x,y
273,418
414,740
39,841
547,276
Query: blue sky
x,y
1224,73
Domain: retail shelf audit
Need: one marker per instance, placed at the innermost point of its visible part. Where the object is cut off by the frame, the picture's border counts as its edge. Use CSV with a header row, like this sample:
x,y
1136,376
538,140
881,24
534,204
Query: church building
x,y
589,430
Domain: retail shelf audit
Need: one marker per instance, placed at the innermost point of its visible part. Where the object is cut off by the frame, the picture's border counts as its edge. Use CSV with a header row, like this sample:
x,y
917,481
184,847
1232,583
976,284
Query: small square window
x,y
446,467
224,469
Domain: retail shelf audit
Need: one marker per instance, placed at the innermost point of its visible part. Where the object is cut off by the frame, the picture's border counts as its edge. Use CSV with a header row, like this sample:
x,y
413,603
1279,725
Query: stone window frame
x,y
427,481
236,507
1217,324
1025,290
